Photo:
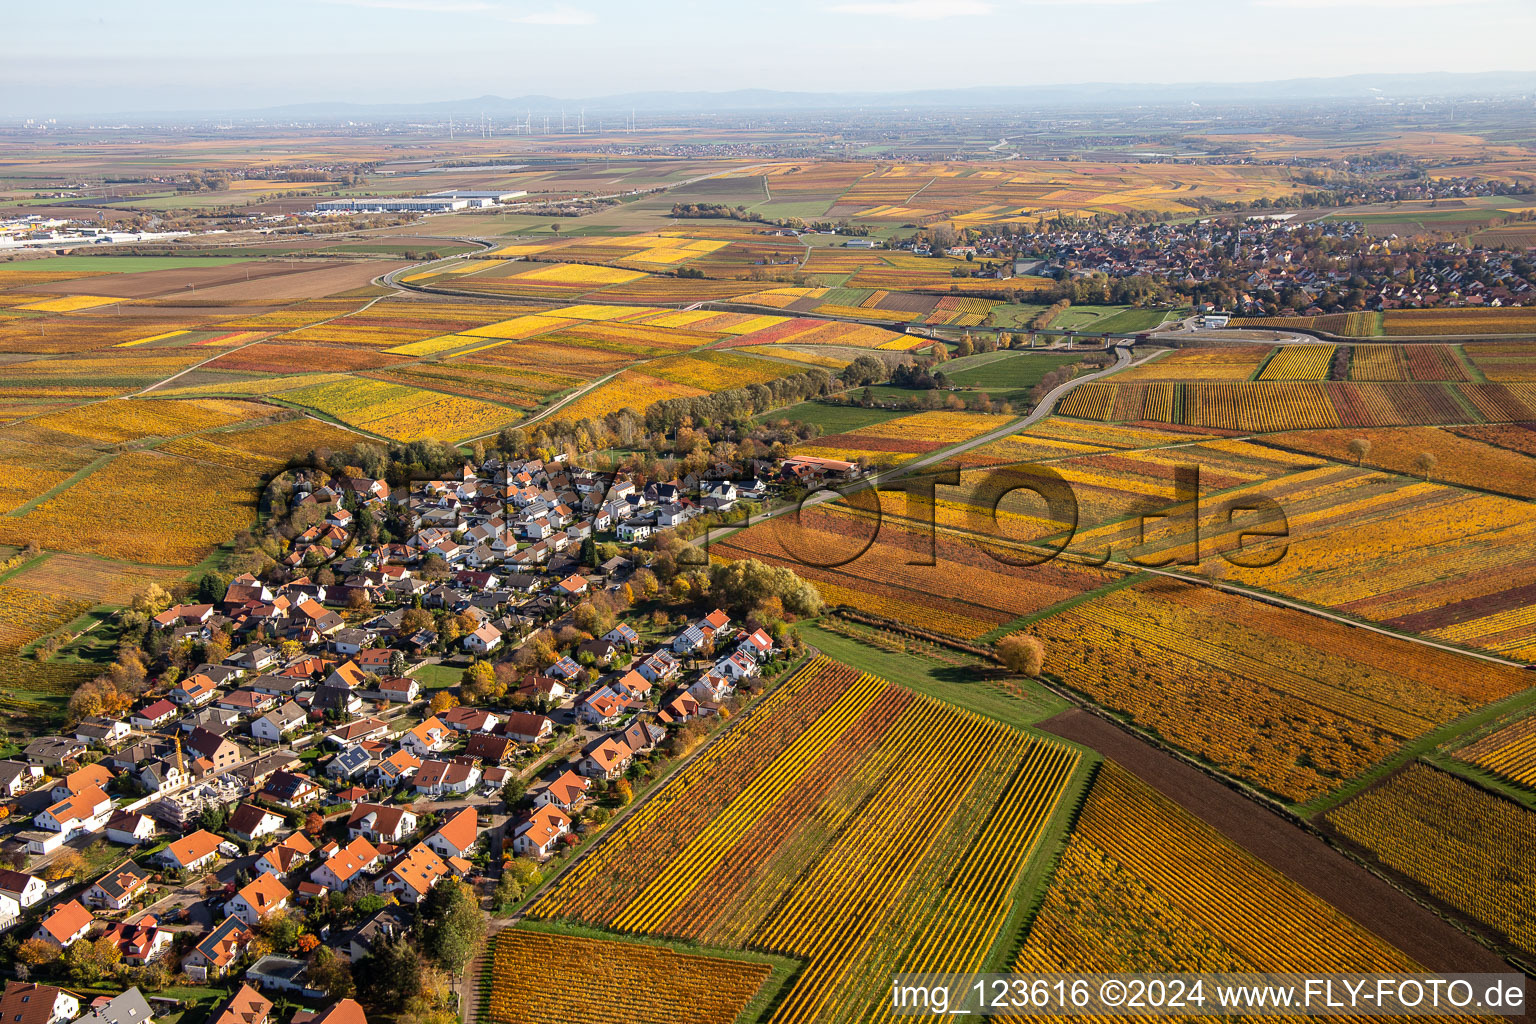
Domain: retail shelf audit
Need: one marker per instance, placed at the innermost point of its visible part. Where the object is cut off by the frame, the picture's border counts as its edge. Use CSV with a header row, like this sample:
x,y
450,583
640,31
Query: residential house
x,y
291,790
436,778
357,732
348,675
490,750
483,640
216,720
92,776
385,924
29,1003
399,689
130,828
246,1006
282,858
414,875
537,834
259,897
456,837
525,727
217,951
190,853
27,890
76,815
343,1011
541,688
659,667
427,738
394,769
16,777
381,823
701,633
605,758
567,791
139,943
641,735
624,635
602,708
468,719
252,821
221,753
163,776
102,732
349,763
633,686
54,751
193,691
274,725
345,864
246,702
119,887
65,925
712,686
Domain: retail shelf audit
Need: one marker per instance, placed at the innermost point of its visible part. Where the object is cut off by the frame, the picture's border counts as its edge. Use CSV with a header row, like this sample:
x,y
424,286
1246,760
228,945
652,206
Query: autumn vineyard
x,y
718,561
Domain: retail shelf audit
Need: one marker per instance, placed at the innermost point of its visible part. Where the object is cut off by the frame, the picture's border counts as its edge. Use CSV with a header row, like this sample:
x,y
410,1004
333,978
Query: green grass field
x,y
958,685
833,419
998,372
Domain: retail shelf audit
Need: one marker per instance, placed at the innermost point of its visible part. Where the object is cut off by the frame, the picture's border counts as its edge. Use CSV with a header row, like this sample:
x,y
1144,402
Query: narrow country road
x,y
1043,409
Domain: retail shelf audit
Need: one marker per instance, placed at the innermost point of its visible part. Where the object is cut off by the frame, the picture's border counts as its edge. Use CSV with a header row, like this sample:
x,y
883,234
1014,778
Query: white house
x,y
27,890
537,834
274,725
263,895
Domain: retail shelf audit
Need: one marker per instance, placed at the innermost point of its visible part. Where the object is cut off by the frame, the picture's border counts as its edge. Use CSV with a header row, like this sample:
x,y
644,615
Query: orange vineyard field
x,y
845,821
539,978
1466,846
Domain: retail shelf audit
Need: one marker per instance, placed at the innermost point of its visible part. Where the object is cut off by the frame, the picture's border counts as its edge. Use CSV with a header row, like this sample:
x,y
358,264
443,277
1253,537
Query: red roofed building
x,y
66,925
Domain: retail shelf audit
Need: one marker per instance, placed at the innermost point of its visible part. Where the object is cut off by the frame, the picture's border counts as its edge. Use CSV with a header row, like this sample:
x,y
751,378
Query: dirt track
x,y
1303,858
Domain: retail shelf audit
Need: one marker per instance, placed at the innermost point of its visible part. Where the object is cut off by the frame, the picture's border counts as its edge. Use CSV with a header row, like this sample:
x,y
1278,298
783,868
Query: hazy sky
x,y
180,54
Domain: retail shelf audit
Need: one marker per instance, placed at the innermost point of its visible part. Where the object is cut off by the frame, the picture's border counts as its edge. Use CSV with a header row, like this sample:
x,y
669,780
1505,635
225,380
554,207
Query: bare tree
x,y
1424,464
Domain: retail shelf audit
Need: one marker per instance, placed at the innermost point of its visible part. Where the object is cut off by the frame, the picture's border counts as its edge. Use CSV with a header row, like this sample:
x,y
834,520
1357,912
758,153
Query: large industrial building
x,y
437,202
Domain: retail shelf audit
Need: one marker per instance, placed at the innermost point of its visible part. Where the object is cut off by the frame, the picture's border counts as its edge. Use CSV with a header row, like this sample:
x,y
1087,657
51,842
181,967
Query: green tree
x,y
331,974
390,975
451,925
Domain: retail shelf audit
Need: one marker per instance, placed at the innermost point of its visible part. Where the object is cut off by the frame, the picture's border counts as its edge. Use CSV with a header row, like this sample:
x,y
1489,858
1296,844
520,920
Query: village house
x,y
65,925
414,875
345,864
27,890
78,814
537,834
250,822
139,943
190,853
273,726
381,823
246,1006
118,887
436,778
29,1003
394,769
566,791
456,837
217,951
193,691
130,828
283,858
427,738
291,790
605,758
259,897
